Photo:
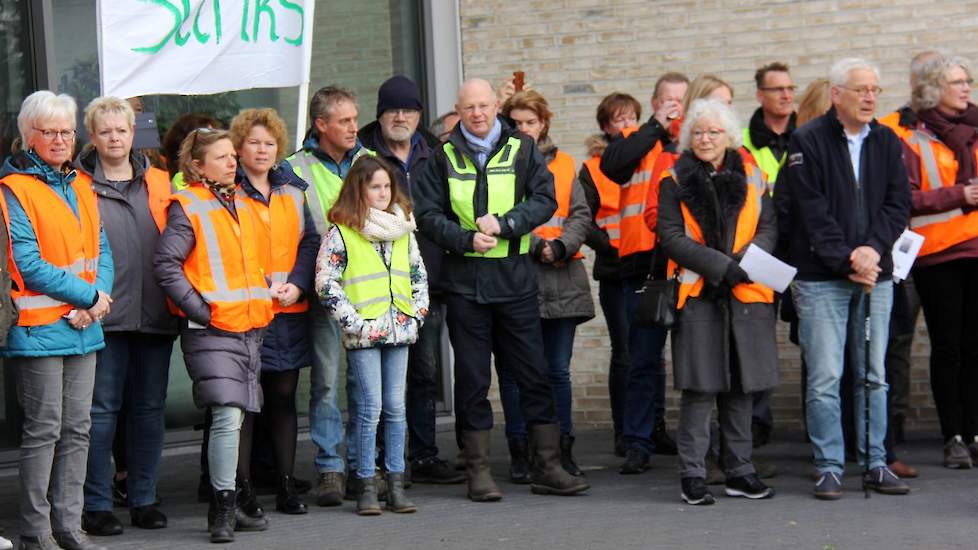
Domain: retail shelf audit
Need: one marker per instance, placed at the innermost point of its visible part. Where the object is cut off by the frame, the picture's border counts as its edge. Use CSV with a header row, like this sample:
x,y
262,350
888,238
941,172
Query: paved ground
x,y
619,512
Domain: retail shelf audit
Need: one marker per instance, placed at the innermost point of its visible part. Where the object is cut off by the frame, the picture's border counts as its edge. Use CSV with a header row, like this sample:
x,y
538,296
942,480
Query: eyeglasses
x,y
712,134
963,82
50,135
780,89
865,91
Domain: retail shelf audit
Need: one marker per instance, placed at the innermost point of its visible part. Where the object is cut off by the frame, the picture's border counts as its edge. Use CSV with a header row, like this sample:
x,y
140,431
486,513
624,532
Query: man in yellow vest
x,y
330,149
770,128
479,198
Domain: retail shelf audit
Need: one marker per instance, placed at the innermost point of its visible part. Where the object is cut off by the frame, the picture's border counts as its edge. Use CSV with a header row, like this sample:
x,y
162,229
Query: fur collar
x,y
713,198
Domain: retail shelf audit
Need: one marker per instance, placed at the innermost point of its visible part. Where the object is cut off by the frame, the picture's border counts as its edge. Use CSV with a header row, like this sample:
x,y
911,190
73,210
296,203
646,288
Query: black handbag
x,y
657,301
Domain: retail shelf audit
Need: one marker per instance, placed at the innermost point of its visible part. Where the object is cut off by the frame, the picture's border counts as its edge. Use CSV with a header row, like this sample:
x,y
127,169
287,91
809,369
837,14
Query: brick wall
x,y
577,51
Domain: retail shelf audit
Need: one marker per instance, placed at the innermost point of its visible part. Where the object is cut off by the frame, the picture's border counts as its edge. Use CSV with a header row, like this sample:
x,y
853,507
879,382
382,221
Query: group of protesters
x,y
371,240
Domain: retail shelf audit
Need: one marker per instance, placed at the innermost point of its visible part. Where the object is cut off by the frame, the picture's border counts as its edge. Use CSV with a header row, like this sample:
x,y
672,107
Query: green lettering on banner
x,y
302,21
178,19
261,6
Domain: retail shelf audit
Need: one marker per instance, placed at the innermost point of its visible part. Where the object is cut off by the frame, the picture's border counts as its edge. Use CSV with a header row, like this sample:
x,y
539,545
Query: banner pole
x,y
302,118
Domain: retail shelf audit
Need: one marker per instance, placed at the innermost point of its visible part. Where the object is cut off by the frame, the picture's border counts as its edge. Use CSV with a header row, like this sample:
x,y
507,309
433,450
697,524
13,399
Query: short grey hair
x,y
44,105
841,69
932,81
717,111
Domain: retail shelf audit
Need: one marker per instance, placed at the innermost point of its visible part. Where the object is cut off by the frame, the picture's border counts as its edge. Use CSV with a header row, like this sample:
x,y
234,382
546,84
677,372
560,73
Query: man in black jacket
x,y
397,137
479,197
850,200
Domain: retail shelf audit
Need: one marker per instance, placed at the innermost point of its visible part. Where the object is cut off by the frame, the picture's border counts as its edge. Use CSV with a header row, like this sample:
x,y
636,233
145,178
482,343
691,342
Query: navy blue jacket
x,y
830,214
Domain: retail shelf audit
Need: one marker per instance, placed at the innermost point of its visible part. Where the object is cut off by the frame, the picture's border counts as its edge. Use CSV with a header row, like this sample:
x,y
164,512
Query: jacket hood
x,y
27,163
87,163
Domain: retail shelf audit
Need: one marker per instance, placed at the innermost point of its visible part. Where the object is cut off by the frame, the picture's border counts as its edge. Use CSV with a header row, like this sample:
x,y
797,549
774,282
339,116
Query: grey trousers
x,y
56,396
222,446
693,433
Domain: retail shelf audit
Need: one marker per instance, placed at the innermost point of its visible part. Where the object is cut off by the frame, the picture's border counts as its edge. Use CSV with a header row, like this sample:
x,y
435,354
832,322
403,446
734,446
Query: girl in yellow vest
x,y
371,278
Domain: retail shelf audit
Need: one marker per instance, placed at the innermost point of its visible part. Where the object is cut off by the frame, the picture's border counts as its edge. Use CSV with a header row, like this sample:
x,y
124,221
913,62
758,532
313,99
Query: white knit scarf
x,y
381,226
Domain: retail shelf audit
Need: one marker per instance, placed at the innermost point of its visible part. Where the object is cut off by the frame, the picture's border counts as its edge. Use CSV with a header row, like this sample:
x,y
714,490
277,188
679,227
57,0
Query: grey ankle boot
x,y
367,503
397,501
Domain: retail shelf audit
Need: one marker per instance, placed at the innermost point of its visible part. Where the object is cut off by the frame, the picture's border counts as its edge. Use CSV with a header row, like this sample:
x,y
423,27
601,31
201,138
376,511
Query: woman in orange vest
x,y
61,267
288,245
941,156
133,369
723,345
208,264
564,291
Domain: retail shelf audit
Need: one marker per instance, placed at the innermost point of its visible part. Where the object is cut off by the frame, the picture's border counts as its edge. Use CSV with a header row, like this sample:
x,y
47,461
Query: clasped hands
x,y
865,261
484,240
85,317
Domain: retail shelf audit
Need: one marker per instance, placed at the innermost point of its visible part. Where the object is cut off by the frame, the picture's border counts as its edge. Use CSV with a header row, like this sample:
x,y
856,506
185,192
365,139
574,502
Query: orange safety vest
x,y
224,266
635,235
690,282
939,168
158,188
608,216
562,167
281,226
66,241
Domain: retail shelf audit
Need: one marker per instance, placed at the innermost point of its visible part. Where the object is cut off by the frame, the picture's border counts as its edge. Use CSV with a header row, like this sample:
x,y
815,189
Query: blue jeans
x,y
612,299
828,313
133,369
325,419
646,394
375,383
558,346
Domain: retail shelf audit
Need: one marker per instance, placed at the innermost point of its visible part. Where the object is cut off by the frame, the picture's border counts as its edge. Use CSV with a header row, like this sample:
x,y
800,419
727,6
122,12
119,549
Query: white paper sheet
x,y
905,251
767,270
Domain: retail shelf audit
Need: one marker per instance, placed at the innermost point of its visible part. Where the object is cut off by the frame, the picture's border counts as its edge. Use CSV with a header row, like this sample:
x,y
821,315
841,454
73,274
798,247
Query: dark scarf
x,y
761,136
960,133
714,198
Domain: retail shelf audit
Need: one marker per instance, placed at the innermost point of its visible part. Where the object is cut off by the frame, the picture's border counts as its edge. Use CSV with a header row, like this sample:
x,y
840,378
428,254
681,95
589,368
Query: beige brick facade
x,y
577,51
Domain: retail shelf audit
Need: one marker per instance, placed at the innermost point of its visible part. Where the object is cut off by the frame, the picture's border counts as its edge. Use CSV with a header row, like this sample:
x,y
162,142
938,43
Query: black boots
x,y
367,503
547,476
397,501
221,516
249,516
287,498
519,461
481,487
567,455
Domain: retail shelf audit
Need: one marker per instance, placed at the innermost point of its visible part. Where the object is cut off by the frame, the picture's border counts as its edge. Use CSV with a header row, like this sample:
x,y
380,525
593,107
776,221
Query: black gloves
x,y
735,275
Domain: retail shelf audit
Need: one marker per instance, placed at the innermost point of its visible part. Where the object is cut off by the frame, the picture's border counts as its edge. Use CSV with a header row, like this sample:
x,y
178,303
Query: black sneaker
x,y
435,470
828,486
664,444
748,486
101,524
636,462
696,492
882,480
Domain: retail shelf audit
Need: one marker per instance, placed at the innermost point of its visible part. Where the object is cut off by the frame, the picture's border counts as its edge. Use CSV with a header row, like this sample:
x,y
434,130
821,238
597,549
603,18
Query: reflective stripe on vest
x,y
608,216
690,282
324,185
562,168
66,240
944,229
500,177
635,234
240,300
368,283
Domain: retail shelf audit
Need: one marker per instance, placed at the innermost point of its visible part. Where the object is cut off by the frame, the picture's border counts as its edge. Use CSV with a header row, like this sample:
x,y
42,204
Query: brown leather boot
x,y
547,476
481,487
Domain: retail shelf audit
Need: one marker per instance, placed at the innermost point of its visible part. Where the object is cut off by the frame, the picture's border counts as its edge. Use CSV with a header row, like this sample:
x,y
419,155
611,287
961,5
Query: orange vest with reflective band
x,y
158,189
690,282
562,167
66,241
635,235
281,226
608,216
938,168
224,266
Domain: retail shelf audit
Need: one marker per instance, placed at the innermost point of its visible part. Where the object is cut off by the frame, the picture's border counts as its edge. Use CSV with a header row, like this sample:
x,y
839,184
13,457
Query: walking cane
x,y
868,307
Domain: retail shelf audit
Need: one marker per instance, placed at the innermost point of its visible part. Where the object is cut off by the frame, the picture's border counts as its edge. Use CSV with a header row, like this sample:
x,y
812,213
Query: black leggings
x,y
278,419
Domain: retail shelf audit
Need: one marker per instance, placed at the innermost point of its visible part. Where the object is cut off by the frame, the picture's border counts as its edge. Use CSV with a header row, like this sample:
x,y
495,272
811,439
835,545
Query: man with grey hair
x,y
850,200
327,154
479,198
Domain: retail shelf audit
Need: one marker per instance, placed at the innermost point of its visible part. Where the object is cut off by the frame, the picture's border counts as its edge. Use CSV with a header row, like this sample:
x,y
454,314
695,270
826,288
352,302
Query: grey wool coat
x,y
565,291
715,324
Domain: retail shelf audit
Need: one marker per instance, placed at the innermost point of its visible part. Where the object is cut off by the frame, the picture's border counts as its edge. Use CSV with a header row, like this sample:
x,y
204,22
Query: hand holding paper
x,y
767,270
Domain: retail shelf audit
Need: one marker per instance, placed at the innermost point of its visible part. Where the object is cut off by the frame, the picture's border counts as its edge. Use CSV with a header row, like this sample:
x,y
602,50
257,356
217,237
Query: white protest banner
x,y
202,46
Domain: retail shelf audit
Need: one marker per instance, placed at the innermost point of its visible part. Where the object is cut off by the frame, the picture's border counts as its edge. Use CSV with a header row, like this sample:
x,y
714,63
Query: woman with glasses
x,y
941,158
712,205
208,264
62,272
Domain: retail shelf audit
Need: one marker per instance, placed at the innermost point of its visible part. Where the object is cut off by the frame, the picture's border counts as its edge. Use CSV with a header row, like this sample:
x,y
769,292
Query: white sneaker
x,y
5,544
